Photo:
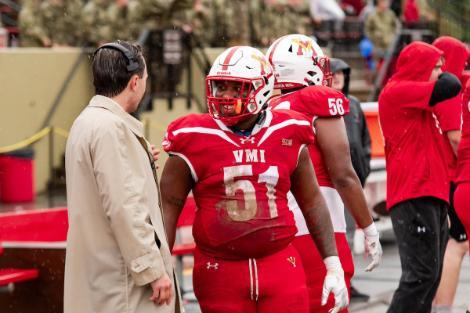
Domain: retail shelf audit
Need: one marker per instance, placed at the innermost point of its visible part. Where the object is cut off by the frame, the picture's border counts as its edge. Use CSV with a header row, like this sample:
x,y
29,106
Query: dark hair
x,y
110,68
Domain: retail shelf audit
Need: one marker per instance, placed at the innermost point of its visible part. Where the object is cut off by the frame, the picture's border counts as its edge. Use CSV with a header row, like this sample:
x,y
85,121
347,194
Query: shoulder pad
x,y
324,101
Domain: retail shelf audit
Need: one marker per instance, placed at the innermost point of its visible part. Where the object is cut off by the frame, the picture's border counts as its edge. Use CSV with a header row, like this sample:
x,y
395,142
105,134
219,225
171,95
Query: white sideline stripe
x,y
370,106
34,244
276,127
204,130
191,168
377,163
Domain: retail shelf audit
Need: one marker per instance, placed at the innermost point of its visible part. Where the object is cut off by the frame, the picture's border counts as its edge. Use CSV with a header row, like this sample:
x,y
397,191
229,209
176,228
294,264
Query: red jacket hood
x,y
456,54
416,62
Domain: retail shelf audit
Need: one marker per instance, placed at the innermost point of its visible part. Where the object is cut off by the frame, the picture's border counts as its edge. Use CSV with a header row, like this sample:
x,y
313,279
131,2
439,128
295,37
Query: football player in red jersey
x,y
240,161
303,76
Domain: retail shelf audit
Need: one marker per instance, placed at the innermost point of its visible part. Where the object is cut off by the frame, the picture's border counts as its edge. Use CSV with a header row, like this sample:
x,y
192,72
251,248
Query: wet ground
x,y
379,284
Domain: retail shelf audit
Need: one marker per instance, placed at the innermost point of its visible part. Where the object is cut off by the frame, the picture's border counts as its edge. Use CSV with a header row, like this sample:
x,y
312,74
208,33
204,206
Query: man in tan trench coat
x,y
118,260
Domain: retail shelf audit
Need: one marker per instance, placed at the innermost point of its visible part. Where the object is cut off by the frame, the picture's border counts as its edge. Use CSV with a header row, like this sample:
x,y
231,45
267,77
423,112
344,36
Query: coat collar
x,y
107,103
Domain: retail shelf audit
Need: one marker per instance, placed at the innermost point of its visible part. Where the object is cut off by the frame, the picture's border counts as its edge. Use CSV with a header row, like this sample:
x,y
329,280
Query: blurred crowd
x,y
214,22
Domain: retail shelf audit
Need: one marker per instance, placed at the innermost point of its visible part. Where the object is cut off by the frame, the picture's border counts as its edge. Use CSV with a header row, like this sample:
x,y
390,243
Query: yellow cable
x,y
61,132
27,142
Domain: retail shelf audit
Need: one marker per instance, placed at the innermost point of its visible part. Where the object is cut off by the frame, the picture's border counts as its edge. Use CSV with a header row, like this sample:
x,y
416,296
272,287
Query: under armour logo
x,y
286,142
214,266
249,139
291,260
421,229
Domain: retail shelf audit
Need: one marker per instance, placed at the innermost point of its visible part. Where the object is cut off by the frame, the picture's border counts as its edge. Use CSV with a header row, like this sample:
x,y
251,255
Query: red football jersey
x,y
314,102
463,162
241,182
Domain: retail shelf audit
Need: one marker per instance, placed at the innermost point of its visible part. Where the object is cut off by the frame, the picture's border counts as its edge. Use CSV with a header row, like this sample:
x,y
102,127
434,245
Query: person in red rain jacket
x,y
417,185
462,204
461,199
449,114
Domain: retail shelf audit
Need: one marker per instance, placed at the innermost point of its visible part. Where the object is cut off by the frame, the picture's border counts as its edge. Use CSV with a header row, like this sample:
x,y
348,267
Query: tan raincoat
x,y
114,217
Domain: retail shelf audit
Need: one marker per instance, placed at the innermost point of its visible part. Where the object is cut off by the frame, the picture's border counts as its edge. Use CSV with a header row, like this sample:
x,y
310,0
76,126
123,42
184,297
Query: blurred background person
x,y
449,115
326,10
381,26
32,32
97,27
60,20
121,27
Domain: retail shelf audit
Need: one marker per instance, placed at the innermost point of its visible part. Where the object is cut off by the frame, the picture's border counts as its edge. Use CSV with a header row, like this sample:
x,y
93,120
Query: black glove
x,y
447,86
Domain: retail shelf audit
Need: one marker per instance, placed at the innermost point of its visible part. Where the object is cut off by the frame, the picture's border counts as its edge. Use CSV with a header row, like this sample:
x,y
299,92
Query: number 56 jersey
x,y
241,182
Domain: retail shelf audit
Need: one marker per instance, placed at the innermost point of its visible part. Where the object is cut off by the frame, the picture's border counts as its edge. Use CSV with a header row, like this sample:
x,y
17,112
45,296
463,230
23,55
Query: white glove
x,y
373,247
334,282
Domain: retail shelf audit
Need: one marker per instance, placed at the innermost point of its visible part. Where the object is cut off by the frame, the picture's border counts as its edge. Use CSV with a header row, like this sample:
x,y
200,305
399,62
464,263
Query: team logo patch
x,y
421,229
291,260
286,142
214,266
247,139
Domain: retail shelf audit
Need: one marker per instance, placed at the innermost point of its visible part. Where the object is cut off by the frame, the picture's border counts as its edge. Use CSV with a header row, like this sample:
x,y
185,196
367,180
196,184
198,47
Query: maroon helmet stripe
x,y
274,49
228,57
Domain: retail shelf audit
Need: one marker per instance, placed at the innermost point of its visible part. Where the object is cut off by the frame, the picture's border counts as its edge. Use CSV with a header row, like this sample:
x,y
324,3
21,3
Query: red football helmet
x,y
246,72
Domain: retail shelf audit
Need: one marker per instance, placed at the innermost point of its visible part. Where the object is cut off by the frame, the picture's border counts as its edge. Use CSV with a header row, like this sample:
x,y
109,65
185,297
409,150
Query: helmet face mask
x,y
239,84
298,62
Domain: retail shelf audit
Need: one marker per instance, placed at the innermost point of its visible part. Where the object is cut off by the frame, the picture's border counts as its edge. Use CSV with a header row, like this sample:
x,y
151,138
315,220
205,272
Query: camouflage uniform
x,y
223,23
237,17
282,20
301,10
380,28
219,26
97,28
62,22
201,19
122,27
158,14
32,32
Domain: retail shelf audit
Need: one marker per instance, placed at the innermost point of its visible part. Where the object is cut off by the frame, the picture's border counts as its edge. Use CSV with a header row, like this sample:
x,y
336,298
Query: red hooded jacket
x,y
449,113
415,161
463,163
411,13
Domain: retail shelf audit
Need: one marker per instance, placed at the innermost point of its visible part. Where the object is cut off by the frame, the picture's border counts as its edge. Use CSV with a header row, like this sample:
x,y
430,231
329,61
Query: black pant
x,y
422,232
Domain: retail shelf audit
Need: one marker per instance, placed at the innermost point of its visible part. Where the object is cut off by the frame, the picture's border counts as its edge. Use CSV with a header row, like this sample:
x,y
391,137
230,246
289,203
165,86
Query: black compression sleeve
x,y
447,86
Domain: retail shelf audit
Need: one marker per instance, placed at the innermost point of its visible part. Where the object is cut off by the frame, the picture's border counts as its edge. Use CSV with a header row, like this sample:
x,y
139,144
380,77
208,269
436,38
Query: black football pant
x,y
422,232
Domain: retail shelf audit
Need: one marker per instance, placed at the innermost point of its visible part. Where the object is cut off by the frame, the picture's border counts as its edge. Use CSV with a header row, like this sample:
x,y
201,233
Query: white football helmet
x,y
248,67
298,61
